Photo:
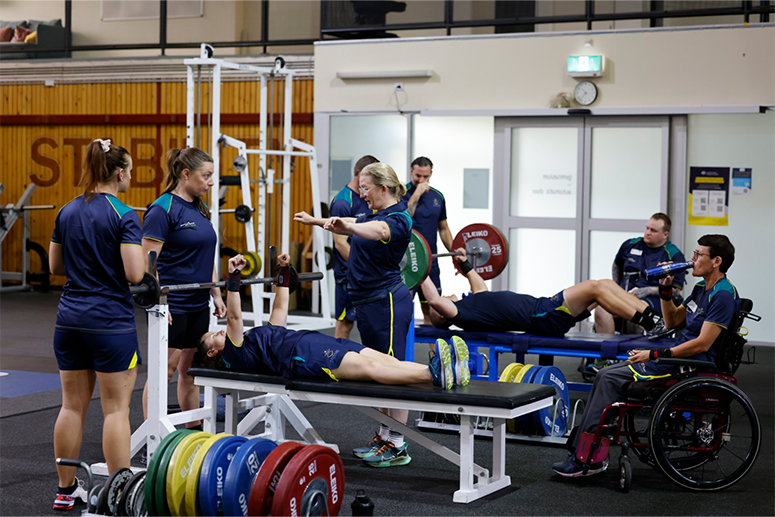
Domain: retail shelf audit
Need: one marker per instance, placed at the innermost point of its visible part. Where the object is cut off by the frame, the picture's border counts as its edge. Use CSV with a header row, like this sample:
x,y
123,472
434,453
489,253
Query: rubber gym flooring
x,y
30,398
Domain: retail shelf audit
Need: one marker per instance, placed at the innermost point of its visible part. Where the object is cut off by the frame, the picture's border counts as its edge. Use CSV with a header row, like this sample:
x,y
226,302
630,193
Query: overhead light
x,y
402,74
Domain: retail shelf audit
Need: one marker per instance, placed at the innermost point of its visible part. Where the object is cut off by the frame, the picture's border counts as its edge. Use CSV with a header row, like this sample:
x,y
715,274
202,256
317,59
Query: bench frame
x,y
278,407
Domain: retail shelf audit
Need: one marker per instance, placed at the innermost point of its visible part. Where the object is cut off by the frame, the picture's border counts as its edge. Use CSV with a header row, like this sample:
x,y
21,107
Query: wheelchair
x,y
696,427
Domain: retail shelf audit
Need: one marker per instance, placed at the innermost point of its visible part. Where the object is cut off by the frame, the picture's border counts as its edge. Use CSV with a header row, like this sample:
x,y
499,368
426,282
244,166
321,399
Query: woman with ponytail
x,y
177,227
96,245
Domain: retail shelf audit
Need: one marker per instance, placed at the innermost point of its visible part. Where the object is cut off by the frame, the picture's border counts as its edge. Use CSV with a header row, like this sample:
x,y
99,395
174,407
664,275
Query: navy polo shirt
x,y
716,305
430,211
635,255
347,203
188,253
96,295
264,350
375,265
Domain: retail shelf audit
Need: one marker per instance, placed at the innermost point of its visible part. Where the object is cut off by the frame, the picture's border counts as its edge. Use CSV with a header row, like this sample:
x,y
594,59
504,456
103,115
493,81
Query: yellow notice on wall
x,y
709,196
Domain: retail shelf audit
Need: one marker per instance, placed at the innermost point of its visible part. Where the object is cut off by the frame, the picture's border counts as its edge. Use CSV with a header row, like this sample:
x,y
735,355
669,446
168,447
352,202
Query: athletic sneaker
x,y
444,352
462,371
373,446
389,456
67,501
572,467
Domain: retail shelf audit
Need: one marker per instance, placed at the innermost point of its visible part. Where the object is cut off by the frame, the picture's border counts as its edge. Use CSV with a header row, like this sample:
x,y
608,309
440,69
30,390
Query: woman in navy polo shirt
x,y
96,246
383,302
177,226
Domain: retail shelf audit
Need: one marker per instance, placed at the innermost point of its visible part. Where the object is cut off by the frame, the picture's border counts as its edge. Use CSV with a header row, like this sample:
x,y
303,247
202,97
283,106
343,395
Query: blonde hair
x,y
383,174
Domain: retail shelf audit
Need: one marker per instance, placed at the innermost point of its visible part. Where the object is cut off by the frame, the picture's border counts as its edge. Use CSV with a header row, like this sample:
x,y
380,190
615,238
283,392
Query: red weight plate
x,y
265,482
493,245
316,465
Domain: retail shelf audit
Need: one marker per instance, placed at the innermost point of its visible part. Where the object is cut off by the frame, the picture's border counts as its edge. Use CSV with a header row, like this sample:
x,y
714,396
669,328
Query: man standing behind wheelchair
x,y
706,312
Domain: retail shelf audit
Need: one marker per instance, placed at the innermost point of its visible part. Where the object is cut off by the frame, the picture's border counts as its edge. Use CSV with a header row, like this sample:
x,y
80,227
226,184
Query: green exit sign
x,y
585,66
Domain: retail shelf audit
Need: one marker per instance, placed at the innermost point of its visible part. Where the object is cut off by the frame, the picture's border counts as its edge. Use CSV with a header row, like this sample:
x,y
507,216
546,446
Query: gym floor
x,y
30,398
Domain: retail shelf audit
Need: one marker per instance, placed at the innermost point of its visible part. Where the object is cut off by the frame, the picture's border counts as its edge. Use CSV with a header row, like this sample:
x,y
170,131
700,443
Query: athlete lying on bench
x,y
306,354
503,311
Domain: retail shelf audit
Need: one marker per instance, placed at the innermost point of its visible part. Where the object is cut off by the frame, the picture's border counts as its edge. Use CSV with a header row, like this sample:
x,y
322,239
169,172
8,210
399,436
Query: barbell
x,y
148,292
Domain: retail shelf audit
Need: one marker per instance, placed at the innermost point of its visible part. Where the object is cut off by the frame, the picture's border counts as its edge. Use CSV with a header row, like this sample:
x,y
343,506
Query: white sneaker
x,y
66,502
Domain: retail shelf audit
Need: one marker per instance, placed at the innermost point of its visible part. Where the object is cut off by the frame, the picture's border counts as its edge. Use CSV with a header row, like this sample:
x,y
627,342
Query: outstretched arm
x,y
279,314
234,326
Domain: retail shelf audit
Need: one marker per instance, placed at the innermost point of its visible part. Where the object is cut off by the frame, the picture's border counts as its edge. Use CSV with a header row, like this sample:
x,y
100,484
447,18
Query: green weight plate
x,y
160,479
153,467
416,264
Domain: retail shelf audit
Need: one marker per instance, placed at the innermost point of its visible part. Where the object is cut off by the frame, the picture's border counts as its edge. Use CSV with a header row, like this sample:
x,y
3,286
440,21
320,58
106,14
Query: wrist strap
x,y
666,292
662,352
465,267
233,281
284,276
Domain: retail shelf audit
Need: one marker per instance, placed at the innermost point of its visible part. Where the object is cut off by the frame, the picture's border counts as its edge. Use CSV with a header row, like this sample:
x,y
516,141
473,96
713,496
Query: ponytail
x,y
103,160
178,160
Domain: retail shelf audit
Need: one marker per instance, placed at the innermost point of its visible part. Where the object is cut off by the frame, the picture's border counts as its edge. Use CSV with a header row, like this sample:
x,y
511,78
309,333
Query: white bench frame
x,y
277,407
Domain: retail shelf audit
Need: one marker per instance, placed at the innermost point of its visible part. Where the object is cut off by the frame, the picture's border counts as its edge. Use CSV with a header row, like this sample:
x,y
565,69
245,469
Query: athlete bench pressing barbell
x,y
148,292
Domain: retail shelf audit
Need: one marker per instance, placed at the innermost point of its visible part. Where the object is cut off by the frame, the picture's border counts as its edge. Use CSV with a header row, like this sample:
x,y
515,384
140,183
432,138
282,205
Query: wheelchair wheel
x,y
625,474
704,434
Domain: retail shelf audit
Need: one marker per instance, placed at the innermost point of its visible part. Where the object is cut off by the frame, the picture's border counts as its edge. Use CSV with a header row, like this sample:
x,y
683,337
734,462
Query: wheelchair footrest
x,y
590,452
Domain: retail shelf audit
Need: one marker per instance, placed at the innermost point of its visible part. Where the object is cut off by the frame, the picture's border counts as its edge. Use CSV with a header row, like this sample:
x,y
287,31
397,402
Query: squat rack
x,y
291,147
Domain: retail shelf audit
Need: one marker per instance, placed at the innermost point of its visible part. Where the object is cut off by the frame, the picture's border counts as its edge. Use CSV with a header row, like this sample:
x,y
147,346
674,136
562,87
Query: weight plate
x,y
253,265
153,467
192,481
213,474
487,249
179,468
108,500
242,214
94,495
264,485
311,463
416,263
159,488
139,508
526,421
124,502
242,469
552,376
510,372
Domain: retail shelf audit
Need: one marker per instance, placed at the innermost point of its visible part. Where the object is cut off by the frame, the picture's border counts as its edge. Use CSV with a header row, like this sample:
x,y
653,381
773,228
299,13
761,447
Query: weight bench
x,y
499,401
573,344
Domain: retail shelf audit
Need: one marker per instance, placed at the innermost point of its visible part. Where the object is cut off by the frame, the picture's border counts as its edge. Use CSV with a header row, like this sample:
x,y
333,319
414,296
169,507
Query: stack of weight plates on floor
x,y
196,473
541,422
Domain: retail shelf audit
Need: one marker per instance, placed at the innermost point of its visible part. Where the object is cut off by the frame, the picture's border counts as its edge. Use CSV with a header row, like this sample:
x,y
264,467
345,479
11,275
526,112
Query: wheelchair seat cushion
x,y
653,390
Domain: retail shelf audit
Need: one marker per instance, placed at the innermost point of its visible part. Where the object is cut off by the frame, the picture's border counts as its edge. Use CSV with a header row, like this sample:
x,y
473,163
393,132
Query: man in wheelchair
x,y
706,312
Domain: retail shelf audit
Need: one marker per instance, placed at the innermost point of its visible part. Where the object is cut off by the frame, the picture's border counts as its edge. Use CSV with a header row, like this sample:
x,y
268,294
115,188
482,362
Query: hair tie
x,y
105,144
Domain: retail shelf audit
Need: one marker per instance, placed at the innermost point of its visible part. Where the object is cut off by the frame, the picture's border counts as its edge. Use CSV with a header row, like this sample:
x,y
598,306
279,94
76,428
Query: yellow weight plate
x,y
179,469
192,480
510,372
523,372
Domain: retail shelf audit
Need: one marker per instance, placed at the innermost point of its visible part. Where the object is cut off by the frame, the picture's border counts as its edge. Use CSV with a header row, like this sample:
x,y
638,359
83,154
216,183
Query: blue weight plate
x,y
526,421
552,376
242,470
213,474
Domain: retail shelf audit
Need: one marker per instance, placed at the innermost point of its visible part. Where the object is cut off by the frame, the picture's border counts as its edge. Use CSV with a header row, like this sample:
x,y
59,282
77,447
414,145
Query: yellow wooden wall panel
x,y
52,155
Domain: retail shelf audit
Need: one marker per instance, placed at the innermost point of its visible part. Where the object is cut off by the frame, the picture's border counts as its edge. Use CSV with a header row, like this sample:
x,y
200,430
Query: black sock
x,y
195,428
68,490
642,319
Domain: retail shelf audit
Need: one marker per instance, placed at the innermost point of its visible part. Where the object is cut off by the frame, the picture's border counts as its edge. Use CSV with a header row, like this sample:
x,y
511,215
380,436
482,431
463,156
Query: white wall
x,y
742,141
674,67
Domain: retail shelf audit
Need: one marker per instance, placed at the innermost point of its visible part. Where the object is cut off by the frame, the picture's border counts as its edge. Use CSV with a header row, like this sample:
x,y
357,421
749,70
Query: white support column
x,y
190,106
215,150
288,146
158,328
